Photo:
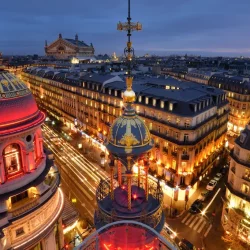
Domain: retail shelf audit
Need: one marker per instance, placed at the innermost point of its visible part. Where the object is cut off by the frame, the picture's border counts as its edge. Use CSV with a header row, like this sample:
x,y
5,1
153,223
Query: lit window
x,y
170,106
12,159
154,102
109,91
115,92
185,137
146,100
167,87
245,188
139,99
162,104
187,123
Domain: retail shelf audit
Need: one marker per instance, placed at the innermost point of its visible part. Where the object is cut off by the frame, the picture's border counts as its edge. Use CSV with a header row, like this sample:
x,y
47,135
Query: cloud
x,y
211,26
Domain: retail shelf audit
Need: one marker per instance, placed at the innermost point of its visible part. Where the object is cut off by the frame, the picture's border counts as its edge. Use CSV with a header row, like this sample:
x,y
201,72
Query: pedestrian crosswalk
x,y
195,222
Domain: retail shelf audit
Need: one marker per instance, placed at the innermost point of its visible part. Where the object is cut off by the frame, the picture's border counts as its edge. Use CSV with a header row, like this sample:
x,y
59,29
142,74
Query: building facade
x,y
30,201
64,48
236,208
188,121
238,95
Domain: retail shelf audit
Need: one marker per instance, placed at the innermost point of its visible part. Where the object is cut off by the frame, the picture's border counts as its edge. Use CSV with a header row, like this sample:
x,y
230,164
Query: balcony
x,y
26,205
165,150
185,157
174,154
23,206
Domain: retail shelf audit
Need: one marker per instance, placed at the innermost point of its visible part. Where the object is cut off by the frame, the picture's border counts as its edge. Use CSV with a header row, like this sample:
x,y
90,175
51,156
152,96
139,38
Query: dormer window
x,y
146,100
83,84
162,104
171,106
242,137
154,102
139,99
109,91
97,88
115,92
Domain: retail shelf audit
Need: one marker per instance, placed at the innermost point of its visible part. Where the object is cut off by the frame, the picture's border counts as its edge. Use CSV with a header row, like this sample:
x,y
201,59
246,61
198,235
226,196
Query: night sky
x,y
200,27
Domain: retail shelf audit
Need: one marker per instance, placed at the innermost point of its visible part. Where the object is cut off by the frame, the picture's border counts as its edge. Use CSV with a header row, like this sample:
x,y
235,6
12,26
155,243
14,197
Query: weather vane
x,y
129,50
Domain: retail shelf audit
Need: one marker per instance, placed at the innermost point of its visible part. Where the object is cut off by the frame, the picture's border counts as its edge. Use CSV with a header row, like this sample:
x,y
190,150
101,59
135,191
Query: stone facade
x,y
64,48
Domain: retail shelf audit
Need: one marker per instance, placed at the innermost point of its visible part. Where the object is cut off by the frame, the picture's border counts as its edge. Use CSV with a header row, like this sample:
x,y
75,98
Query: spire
x,y
129,94
60,35
76,37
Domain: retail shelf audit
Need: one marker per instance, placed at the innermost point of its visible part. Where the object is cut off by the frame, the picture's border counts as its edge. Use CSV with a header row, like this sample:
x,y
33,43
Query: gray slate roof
x,y
79,43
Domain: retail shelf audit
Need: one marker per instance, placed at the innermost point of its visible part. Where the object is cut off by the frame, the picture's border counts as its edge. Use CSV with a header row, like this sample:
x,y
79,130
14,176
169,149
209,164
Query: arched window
x,y
12,159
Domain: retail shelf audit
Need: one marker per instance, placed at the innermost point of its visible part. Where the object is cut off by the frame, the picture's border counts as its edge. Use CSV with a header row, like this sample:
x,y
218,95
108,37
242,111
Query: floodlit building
x,y
236,210
31,201
64,48
238,95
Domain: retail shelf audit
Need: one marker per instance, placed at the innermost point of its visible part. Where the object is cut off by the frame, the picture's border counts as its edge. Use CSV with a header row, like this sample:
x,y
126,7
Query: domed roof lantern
x,y
129,135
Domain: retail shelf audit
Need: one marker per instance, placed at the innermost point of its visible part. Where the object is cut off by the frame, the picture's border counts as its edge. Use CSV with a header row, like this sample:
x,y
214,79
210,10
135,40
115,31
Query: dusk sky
x,y
201,27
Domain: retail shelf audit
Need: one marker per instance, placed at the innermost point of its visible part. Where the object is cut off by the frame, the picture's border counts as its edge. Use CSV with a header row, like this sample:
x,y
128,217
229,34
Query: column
x,y
112,182
129,182
119,173
139,175
2,172
31,160
27,160
146,182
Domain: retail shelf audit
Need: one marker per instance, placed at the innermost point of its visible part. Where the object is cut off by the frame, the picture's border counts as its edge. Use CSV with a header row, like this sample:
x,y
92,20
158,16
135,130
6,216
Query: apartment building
x,y
236,208
188,121
238,95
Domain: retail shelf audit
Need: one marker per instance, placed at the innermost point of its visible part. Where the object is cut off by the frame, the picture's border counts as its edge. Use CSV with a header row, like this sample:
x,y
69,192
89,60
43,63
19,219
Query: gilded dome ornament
x,y
128,140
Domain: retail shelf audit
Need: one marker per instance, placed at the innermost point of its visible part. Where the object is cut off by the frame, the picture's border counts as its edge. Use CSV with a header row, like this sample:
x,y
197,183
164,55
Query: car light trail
x,y
209,204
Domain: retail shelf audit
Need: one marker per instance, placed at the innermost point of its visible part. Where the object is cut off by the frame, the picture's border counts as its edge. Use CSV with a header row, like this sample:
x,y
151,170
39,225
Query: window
x,y
247,174
12,159
177,121
115,92
185,137
245,188
146,100
187,124
170,106
162,104
19,231
19,197
242,137
154,102
139,99
184,151
176,135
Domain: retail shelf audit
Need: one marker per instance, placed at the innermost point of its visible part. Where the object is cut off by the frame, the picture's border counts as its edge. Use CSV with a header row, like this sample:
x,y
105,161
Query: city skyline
x,y
168,28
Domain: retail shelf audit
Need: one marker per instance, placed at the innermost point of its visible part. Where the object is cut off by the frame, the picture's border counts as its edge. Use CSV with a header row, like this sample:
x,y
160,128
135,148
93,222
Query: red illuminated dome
x,y
18,109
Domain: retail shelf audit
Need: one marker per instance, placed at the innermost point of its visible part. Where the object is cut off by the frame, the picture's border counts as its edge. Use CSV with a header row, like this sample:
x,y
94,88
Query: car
x,y
169,231
186,245
211,185
196,207
218,176
204,195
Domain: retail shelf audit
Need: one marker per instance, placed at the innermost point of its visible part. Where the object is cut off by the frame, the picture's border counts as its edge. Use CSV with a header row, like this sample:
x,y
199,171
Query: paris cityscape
x,y
125,125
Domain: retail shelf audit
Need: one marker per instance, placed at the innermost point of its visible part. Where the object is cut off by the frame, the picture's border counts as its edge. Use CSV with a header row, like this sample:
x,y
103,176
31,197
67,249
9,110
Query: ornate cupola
x,y
132,196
